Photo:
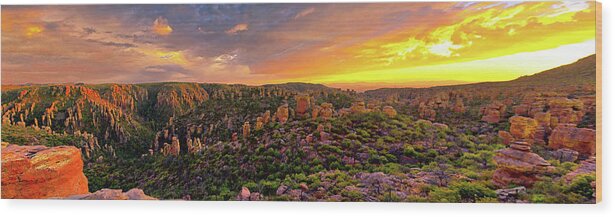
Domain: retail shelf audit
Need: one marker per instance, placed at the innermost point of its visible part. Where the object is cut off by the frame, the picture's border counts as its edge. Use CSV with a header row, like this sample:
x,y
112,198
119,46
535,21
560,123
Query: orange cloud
x,y
161,26
237,29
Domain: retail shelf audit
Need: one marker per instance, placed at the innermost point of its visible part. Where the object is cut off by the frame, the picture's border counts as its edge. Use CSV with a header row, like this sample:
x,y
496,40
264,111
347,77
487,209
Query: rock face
x,y
33,172
517,165
389,111
568,136
113,194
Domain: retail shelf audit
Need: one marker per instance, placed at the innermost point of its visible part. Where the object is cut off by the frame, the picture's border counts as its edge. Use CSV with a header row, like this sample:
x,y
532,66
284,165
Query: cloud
x,y
161,26
237,29
305,12
113,44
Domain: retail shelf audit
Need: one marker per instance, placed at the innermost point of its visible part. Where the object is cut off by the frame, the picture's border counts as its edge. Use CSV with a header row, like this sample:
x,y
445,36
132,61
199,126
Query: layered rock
x,y
518,165
568,136
32,172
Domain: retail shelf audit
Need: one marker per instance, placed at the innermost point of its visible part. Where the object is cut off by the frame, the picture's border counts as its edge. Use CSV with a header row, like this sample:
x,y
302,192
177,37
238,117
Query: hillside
x,y
309,142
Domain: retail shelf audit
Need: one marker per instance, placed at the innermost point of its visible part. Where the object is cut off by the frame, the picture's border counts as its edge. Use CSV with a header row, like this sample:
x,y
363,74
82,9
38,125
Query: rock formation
x,y
587,167
358,107
113,194
32,172
282,113
518,165
568,136
245,195
493,112
523,128
389,111
246,130
326,111
303,104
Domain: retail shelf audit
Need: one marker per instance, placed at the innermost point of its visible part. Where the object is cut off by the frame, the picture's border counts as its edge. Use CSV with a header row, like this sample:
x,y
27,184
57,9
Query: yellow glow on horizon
x,y
495,69
33,31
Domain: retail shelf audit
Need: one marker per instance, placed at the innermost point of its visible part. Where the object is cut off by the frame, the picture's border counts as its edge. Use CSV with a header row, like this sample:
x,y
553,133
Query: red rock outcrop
x,y
518,165
569,136
32,172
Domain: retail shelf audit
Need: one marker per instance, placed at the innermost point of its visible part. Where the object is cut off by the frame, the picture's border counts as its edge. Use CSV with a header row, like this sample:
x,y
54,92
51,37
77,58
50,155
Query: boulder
x,y
506,137
33,172
493,112
587,167
565,155
568,136
113,194
244,194
518,165
389,111
523,128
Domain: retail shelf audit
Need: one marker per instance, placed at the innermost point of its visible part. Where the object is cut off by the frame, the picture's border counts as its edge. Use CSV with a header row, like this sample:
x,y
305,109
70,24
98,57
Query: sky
x,y
357,46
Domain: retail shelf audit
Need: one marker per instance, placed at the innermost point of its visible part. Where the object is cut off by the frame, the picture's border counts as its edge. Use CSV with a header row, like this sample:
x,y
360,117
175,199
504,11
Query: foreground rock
x,y
113,194
246,195
518,165
33,172
568,136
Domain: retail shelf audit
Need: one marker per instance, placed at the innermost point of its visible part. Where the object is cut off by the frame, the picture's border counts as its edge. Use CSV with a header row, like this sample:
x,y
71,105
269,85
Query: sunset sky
x,y
357,46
